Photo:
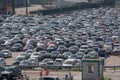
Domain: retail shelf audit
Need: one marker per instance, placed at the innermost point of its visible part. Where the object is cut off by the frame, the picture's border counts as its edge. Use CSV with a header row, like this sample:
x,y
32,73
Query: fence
x,y
67,67
82,5
112,67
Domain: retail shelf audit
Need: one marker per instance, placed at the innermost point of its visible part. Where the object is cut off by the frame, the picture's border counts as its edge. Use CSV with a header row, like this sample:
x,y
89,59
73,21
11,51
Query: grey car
x,y
6,53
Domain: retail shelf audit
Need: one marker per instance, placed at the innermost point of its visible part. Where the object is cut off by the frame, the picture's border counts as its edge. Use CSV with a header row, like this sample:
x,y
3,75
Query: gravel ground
x,y
9,61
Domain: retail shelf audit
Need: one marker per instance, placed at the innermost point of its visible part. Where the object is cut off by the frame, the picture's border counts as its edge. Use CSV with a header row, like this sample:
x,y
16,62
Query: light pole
x,y
26,7
13,6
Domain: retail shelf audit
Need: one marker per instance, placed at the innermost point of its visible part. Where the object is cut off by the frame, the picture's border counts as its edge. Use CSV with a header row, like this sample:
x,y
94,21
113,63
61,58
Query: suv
x,y
48,78
10,72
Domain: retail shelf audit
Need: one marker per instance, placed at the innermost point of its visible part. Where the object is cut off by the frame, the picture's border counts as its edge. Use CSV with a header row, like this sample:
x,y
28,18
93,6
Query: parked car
x,y
74,49
71,63
17,47
28,46
59,60
61,48
24,63
10,72
2,61
52,64
18,60
5,53
108,47
91,55
44,61
36,55
48,78
51,48
67,54
54,54
80,55
116,49
33,61
73,56
29,52
24,54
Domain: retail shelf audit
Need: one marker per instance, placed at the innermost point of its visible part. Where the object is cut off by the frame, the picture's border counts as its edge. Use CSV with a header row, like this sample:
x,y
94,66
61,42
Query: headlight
x,y
6,53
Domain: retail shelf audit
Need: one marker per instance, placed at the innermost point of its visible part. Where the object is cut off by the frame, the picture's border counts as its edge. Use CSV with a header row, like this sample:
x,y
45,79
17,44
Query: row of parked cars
x,y
62,39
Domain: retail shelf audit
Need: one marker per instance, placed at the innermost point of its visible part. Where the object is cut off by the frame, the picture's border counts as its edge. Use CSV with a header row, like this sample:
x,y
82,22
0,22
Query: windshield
x,y
69,62
2,68
8,69
46,60
36,54
19,59
5,51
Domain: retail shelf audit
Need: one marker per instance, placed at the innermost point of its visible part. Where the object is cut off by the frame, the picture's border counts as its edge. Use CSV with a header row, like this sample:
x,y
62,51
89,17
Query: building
x,y
92,67
21,3
117,3
6,6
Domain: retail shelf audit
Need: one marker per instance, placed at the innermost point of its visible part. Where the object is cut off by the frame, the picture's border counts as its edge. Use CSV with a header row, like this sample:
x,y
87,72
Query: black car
x,y
10,72
48,78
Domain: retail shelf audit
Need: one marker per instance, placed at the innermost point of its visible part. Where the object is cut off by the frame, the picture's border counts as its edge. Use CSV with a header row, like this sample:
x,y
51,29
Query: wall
x,y
117,4
90,76
21,3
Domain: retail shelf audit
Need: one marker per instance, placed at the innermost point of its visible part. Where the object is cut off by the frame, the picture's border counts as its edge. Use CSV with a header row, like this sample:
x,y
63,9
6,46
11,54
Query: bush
x,y
76,69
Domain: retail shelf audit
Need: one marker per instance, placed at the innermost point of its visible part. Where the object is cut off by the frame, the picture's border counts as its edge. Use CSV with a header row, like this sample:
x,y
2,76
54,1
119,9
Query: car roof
x,y
70,59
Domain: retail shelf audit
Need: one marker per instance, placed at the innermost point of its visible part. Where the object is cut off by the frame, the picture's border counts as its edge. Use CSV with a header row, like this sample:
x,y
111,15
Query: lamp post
x,y
26,7
13,6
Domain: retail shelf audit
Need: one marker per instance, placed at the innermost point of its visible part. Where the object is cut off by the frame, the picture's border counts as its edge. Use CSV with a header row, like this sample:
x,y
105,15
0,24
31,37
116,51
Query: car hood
x,y
6,72
67,65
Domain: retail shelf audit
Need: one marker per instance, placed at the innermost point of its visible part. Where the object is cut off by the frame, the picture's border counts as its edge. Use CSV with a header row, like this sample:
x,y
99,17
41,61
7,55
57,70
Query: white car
x,y
2,61
71,62
108,47
116,49
34,61
35,55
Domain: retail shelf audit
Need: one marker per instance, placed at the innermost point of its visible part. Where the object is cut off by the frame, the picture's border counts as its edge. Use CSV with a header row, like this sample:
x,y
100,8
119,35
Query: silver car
x,y
6,53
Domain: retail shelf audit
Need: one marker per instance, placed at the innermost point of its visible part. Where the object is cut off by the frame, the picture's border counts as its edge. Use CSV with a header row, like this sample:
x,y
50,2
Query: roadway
x,y
33,75
22,11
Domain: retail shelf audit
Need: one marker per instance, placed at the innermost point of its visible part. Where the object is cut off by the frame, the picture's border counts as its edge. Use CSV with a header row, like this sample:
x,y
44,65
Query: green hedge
x,y
106,78
40,1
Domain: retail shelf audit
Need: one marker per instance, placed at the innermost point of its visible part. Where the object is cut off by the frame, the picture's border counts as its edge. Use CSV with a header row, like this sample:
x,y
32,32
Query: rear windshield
x,y
2,69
